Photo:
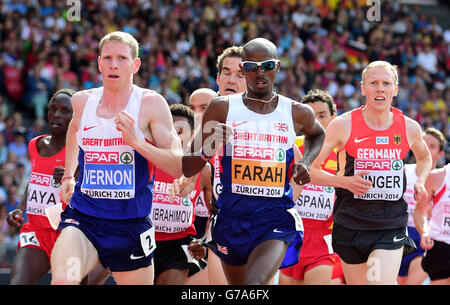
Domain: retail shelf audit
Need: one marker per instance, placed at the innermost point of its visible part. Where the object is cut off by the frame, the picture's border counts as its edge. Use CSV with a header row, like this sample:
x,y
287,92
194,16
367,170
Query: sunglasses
x,y
267,65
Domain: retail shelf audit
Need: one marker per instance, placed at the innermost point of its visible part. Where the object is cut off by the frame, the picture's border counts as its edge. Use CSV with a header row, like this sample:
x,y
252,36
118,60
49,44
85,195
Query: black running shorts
x,y
355,246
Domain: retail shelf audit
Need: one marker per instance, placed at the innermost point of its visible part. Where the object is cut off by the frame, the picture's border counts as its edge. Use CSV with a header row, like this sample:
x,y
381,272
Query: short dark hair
x,y
317,95
183,111
438,135
66,91
233,51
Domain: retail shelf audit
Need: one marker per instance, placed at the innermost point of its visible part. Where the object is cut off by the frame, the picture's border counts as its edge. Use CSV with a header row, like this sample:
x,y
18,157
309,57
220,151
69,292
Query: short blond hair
x,y
121,37
381,64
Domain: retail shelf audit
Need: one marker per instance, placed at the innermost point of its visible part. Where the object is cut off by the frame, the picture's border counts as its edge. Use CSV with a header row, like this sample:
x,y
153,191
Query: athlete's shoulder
x,y
80,98
343,120
217,109
288,99
151,96
436,178
413,131
411,124
32,144
84,94
223,99
298,106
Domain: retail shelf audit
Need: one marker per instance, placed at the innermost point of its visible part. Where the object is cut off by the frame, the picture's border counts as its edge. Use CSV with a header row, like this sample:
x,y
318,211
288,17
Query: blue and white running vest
x,y
257,162
115,181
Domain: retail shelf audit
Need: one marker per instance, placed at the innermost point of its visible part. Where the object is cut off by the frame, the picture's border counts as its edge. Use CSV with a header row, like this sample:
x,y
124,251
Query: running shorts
x,y
436,261
31,236
355,246
173,254
122,245
316,250
406,261
236,237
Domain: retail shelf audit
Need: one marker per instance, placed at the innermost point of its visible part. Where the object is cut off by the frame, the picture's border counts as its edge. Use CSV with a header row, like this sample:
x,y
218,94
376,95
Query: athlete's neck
x,y
116,97
378,120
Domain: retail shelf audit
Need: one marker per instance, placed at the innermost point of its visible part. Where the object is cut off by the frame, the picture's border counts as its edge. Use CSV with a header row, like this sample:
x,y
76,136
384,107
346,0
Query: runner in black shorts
x,y
370,214
435,231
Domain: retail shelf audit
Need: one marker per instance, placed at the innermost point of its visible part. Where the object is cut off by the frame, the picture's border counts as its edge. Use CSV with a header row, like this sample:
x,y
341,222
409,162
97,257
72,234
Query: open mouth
x,y
380,99
55,124
230,90
113,76
260,83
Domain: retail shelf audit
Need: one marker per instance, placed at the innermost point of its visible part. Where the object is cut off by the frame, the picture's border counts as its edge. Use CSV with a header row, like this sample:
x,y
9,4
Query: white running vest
x,y
440,215
259,147
411,178
109,163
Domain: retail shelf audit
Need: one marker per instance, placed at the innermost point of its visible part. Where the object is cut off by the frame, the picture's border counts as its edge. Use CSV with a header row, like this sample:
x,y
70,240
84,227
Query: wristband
x,y
66,177
203,156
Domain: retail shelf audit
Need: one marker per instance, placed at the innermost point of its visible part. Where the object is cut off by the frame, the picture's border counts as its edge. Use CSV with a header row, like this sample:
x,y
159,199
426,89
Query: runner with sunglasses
x,y
257,220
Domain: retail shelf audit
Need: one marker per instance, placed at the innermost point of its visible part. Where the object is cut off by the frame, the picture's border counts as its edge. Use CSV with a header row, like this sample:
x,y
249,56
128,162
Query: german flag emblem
x,y
397,139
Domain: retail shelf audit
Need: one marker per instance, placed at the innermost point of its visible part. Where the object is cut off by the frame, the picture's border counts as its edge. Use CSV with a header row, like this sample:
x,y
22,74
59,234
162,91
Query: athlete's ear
x,y
363,91
137,64
218,78
98,63
395,90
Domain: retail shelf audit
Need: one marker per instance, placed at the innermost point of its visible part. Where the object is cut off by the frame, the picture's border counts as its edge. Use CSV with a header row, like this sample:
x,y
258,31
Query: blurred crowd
x,y
321,44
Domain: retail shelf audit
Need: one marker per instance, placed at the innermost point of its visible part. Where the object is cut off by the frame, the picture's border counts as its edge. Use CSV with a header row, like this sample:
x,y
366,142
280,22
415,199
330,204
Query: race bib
x,y
42,193
148,242
258,171
109,175
28,239
297,218
386,177
316,202
171,216
189,257
200,208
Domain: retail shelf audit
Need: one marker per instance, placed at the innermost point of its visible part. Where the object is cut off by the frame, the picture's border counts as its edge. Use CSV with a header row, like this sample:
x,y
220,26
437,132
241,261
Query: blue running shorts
x,y
406,260
236,237
120,243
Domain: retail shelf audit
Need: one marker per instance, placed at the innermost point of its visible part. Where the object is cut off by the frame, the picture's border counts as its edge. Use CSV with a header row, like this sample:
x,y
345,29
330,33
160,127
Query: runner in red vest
x,y
317,260
178,254
37,236
370,214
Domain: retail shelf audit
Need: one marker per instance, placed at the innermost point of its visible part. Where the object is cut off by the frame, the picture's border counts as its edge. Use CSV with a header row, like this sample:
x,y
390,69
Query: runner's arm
x,y
166,152
336,136
213,123
14,218
420,213
71,159
422,156
306,124
207,185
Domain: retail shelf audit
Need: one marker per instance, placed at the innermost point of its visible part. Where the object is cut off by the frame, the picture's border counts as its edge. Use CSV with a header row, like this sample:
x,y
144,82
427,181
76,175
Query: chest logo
x,y
360,140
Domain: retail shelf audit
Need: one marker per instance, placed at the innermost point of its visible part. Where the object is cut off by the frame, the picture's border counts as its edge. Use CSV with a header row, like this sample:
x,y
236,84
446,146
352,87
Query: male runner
x,y
370,214
119,133
256,221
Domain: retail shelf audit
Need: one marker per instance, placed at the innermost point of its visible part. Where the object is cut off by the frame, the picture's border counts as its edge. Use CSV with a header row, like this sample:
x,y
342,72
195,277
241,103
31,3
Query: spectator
x,y
3,150
434,105
13,200
18,146
37,93
427,59
8,239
